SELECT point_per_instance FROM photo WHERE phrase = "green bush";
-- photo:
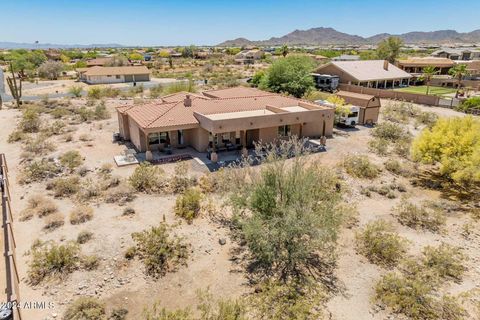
(379, 146)
(360, 167)
(76, 91)
(81, 214)
(51, 260)
(39, 170)
(445, 260)
(147, 178)
(85, 308)
(90, 262)
(415, 216)
(30, 120)
(101, 112)
(84, 237)
(39, 145)
(63, 187)
(380, 244)
(94, 93)
(390, 131)
(71, 159)
(159, 251)
(397, 167)
(187, 205)
(469, 104)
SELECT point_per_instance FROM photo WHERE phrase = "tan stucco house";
(415, 65)
(221, 120)
(105, 75)
(367, 73)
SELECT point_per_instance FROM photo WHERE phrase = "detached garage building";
(105, 75)
(369, 105)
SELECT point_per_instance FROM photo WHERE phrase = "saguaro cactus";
(15, 89)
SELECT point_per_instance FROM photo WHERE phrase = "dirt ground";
(122, 283)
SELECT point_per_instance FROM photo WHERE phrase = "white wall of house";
(105, 79)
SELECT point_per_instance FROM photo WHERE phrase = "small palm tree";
(458, 72)
(428, 73)
(284, 50)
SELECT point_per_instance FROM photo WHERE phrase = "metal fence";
(10, 280)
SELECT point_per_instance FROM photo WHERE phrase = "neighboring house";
(473, 68)
(415, 65)
(99, 75)
(346, 57)
(98, 62)
(219, 120)
(458, 54)
(367, 73)
(249, 56)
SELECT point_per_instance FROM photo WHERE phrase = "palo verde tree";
(389, 49)
(287, 213)
(290, 75)
(15, 86)
(454, 144)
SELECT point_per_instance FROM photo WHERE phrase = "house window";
(109, 76)
(225, 137)
(117, 77)
(157, 138)
(284, 131)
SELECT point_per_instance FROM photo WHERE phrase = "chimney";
(188, 101)
(385, 65)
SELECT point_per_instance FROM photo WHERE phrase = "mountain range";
(327, 36)
(22, 45)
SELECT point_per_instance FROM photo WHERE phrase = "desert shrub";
(279, 300)
(39, 170)
(118, 314)
(101, 112)
(58, 113)
(402, 147)
(380, 244)
(159, 250)
(76, 91)
(90, 189)
(180, 180)
(360, 166)
(397, 167)
(81, 214)
(147, 178)
(390, 131)
(406, 295)
(128, 211)
(454, 143)
(469, 104)
(85, 308)
(415, 216)
(208, 183)
(26, 214)
(39, 145)
(121, 194)
(90, 262)
(400, 112)
(187, 205)
(445, 260)
(49, 260)
(158, 313)
(106, 168)
(41, 205)
(379, 146)
(94, 93)
(16, 136)
(56, 128)
(63, 187)
(130, 253)
(426, 118)
(84, 237)
(85, 114)
(156, 91)
(31, 121)
(54, 221)
(71, 159)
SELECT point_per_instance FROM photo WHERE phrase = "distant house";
(346, 57)
(100, 75)
(367, 73)
(249, 56)
(98, 62)
(457, 54)
(415, 65)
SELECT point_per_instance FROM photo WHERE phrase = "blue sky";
(149, 22)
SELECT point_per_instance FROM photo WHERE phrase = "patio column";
(385, 85)
(376, 84)
(214, 155)
(408, 81)
(148, 153)
(243, 142)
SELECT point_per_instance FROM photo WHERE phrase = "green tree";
(428, 73)
(458, 72)
(389, 49)
(135, 56)
(284, 50)
(50, 70)
(290, 75)
(455, 144)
